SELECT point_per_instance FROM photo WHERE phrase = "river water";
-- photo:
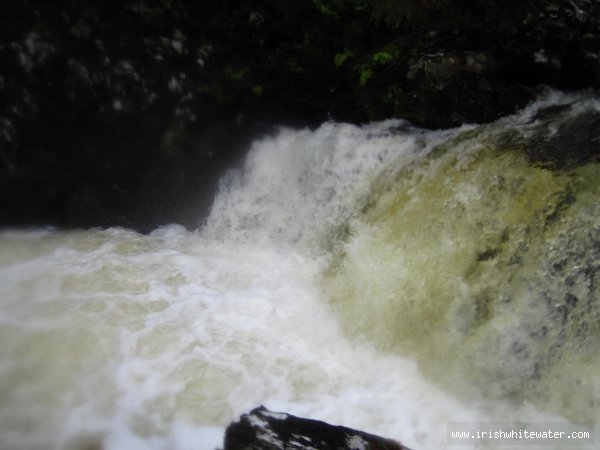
(380, 277)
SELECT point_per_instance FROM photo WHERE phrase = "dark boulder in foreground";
(262, 429)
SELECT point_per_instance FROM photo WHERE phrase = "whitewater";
(291, 295)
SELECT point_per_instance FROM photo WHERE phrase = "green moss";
(364, 74)
(327, 10)
(342, 57)
(382, 58)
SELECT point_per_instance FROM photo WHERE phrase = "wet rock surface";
(128, 114)
(561, 137)
(262, 429)
(576, 142)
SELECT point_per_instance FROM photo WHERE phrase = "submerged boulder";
(262, 429)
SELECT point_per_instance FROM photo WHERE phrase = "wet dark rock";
(559, 137)
(575, 142)
(127, 114)
(452, 88)
(484, 61)
(262, 429)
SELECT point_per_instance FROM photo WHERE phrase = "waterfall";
(382, 277)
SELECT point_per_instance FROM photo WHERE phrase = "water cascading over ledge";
(482, 260)
(462, 266)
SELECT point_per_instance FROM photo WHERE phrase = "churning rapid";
(382, 277)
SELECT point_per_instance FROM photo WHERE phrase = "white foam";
(125, 341)
(156, 342)
(298, 186)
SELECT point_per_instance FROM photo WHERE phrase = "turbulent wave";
(485, 265)
(381, 277)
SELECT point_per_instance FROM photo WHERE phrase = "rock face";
(262, 429)
(128, 114)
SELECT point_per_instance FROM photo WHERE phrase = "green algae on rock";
(482, 261)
